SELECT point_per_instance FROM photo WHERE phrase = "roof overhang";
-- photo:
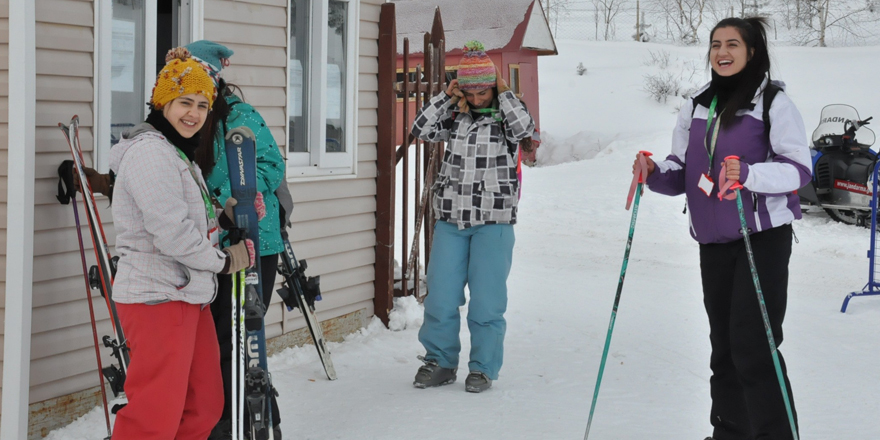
(538, 36)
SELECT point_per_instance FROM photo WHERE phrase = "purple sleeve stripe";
(671, 182)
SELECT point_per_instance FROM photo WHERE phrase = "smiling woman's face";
(187, 113)
(728, 54)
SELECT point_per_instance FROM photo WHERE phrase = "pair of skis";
(99, 276)
(251, 381)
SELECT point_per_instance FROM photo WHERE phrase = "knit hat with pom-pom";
(475, 71)
(214, 55)
(182, 75)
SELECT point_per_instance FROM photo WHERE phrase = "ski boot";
(433, 375)
(477, 382)
(222, 431)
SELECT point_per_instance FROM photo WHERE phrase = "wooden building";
(98, 59)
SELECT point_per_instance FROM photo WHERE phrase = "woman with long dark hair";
(725, 118)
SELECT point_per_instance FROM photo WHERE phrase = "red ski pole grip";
(646, 153)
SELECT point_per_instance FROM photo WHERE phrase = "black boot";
(222, 431)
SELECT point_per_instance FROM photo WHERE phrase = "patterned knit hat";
(182, 75)
(475, 71)
(213, 55)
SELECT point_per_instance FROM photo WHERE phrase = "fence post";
(385, 165)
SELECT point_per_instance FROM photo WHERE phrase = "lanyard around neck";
(710, 146)
(192, 171)
(491, 111)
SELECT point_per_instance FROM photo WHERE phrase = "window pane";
(514, 80)
(127, 67)
(299, 78)
(336, 76)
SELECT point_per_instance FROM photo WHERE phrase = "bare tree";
(685, 16)
(555, 10)
(840, 19)
(606, 11)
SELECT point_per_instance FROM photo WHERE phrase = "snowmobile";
(843, 166)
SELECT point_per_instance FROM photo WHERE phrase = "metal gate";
(409, 90)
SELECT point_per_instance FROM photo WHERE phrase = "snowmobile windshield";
(833, 122)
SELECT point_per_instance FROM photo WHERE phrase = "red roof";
(493, 22)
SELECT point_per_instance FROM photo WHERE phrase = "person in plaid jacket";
(474, 202)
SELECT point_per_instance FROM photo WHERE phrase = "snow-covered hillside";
(570, 244)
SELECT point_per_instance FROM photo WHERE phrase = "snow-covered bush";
(659, 59)
(665, 83)
(661, 86)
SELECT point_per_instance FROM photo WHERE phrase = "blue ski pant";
(479, 257)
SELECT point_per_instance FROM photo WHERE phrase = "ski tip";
(240, 131)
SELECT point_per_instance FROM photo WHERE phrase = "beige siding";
(62, 354)
(4, 139)
(335, 221)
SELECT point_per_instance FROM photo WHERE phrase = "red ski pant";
(173, 385)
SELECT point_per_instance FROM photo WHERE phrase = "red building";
(514, 32)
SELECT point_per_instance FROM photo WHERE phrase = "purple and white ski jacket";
(771, 171)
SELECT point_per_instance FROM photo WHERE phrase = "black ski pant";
(747, 401)
(221, 309)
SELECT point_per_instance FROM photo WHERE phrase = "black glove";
(227, 216)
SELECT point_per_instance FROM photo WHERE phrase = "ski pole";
(234, 383)
(635, 189)
(736, 187)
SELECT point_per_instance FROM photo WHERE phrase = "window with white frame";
(322, 88)
(132, 37)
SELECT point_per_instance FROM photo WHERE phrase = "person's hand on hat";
(500, 83)
(453, 91)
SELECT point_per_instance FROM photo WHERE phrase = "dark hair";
(754, 35)
(210, 131)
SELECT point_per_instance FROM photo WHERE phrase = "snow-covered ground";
(570, 243)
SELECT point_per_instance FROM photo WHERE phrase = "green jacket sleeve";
(270, 164)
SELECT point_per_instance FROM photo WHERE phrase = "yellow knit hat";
(182, 76)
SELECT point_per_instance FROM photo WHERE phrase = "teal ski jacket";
(270, 170)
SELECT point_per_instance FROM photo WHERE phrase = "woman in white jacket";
(167, 242)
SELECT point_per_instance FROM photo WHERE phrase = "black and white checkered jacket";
(477, 184)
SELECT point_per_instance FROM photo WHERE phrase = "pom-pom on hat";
(214, 55)
(475, 71)
(182, 75)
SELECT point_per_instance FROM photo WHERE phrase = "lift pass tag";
(706, 184)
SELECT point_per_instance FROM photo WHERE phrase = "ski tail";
(299, 291)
